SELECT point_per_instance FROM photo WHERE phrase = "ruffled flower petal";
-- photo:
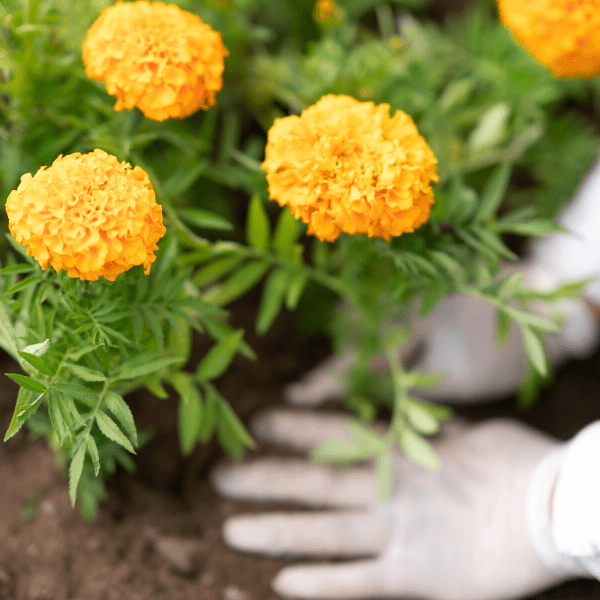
(164, 60)
(345, 165)
(87, 214)
(563, 35)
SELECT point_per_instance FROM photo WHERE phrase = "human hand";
(458, 533)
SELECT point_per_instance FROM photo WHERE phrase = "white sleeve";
(563, 507)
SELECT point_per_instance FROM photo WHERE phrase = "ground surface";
(157, 536)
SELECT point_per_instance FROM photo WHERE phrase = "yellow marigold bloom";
(563, 35)
(87, 214)
(345, 165)
(327, 13)
(164, 60)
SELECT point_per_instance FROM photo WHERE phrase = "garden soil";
(157, 536)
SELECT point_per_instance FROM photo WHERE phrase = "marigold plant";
(345, 165)
(87, 214)
(563, 35)
(164, 60)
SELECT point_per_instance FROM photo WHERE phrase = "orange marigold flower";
(88, 214)
(563, 35)
(164, 60)
(345, 165)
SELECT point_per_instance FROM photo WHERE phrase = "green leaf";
(493, 241)
(26, 405)
(56, 418)
(155, 326)
(271, 302)
(120, 409)
(232, 434)
(133, 372)
(258, 226)
(209, 415)
(21, 285)
(219, 330)
(16, 269)
(85, 373)
(38, 349)
(111, 430)
(449, 264)
(295, 290)
(75, 470)
(536, 228)
(509, 287)
(204, 219)
(189, 411)
(240, 282)
(38, 363)
(93, 450)
(8, 338)
(28, 383)
(534, 349)
(494, 192)
(286, 234)
(385, 475)
(219, 357)
(418, 449)
(503, 328)
(340, 451)
(215, 270)
(421, 418)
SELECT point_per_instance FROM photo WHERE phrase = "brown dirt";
(157, 535)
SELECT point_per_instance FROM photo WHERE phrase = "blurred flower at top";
(164, 60)
(328, 13)
(345, 165)
(87, 214)
(563, 35)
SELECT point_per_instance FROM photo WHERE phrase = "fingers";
(299, 430)
(300, 534)
(356, 579)
(297, 481)
(324, 382)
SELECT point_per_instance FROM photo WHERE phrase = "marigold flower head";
(87, 214)
(164, 60)
(345, 165)
(563, 35)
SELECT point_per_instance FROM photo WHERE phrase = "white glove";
(463, 533)
(458, 337)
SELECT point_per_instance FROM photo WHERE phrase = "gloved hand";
(466, 532)
(458, 337)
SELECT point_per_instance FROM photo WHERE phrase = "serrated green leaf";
(111, 430)
(38, 363)
(204, 219)
(494, 242)
(28, 383)
(75, 470)
(258, 228)
(154, 386)
(16, 269)
(85, 373)
(245, 278)
(534, 348)
(494, 192)
(56, 418)
(26, 405)
(271, 301)
(418, 449)
(219, 357)
(189, 410)
(219, 330)
(155, 326)
(93, 450)
(133, 372)
(120, 409)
